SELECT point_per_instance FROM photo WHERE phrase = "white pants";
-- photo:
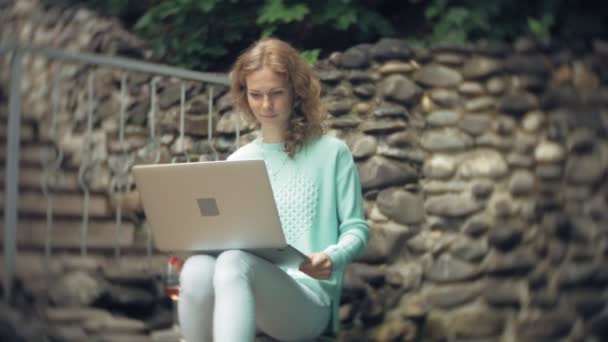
(229, 296)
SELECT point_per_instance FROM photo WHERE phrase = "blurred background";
(479, 129)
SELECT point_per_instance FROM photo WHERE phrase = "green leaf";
(344, 21)
(268, 31)
(435, 8)
(206, 5)
(275, 11)
(311, 56)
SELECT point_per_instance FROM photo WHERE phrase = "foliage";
(465, 20)
(198, 34)
(204, 34)
(311, 56)
(193, 33)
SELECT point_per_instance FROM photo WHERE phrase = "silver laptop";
(210, 207)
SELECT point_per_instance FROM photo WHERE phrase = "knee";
(197, 274)
(231, 266)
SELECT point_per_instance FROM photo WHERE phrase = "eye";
(277, 93)
(255, 96)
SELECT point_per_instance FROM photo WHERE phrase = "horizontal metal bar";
(121, 63)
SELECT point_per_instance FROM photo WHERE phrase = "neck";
(271, 136)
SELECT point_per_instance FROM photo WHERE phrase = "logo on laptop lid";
(208, 206)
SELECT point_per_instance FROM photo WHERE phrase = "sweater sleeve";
(353, 229)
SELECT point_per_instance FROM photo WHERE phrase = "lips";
(267, 116)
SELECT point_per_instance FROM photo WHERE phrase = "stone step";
(117, 337)
(31, 178)
(67, 234)
(64, 205)
(27, 132)
(31, 265)
(167, 335)
(28, 154)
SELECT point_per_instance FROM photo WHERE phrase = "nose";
(266, 102)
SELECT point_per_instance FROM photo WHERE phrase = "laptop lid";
(210, 206)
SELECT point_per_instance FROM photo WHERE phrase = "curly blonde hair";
(307, 117)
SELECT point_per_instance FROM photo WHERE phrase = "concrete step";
(31, 178)
(66, 234)
(27, 132)
(64, 205)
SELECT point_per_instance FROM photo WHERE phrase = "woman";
(318, 195)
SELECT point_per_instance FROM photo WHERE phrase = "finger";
(323, 275)
(321, 259)
(314, 260)
(306, 268)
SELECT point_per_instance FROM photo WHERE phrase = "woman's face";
(270, 98)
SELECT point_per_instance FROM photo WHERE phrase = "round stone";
(525, 143)
(481, 67)
(585, 169)
(391, 48)
(446, 140)
(477, 225)
(439, 167)
(493, 140)
(365, 91)
(364, 146)
(548, 171)
(449, 59)
(388, 110)
(480, 104)
(444, 97)
(582, 140)
(496, 85)
(378, 172)
(505, 125)
(451, 205)
(482, 188)
(475, 323)
(471, 89)
(363, 108)
(400, 89)
(468, 249)
(443, 118)
(355, 57)
(401, 206)
(475, 124)
(434, 75)
(521, 183)
(519, 160)
(483, 164)
(503, 206)
(382, 127)
(549, 152)
(330, 76)
(448, 270)
(394, 67)
(518, 103)
(338, 106)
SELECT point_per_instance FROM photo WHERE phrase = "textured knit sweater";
(318, 196)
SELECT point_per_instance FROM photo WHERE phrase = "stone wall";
(483, 168)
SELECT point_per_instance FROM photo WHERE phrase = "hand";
(318, 266)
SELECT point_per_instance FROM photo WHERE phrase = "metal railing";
(52, 159)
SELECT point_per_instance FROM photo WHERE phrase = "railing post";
(11, 180)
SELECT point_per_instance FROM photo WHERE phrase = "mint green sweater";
(318, 195)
